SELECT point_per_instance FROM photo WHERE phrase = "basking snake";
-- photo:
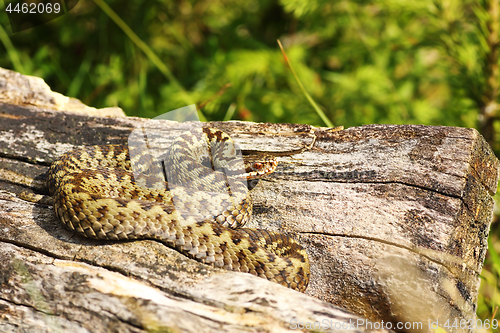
(96, 194)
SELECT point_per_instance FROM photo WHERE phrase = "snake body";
(97, 195)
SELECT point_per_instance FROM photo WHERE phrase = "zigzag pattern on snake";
(96, 194)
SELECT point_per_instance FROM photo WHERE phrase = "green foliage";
(381, 61)
(489, 292)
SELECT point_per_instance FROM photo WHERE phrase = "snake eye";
(257, 166)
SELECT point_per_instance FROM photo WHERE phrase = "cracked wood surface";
(52, 279)
(394, 218)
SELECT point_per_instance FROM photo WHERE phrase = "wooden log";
(53, 279)
(394, 218)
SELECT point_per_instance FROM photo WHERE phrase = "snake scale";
(96, 194)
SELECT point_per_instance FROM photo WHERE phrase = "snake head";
(258, 166)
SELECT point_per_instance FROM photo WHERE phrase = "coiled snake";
(96, 194)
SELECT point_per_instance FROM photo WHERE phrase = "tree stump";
(395, 220)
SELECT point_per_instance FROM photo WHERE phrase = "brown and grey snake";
(97, 195)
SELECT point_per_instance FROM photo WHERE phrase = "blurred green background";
(432, 62)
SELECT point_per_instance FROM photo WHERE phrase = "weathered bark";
(33, 91)
(394, 218)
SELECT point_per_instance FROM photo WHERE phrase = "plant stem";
(309, 98)
(148, 51)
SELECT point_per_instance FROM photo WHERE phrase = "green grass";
(489, 291)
